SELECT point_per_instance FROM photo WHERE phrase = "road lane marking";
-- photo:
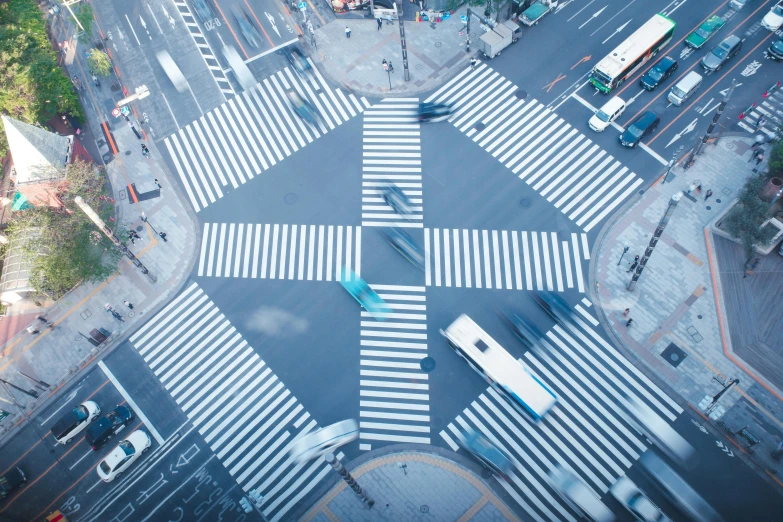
(131, 402)
(81, 459)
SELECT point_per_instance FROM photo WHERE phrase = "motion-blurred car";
(774, 19)
(433, 112)
(636, 502)
(403, 243)
(203, 10)
(525, 330)
(297, 60)
(641, 127)
(75, 421)
(775, 51)
(13, 479)
(247, 28)
(107, 426)
(489, 455)
(302, 107)
(397, 199)
(121, 457)
(172, 70)
(579, 496)
(659, 73)
(364, 295)
(553, 305)
(706, 31)
(721, 54)
(610, 111)
(324, 440)
(648, 423)
(737, 4)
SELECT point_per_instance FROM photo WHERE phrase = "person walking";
(145, 151)
(628, 323)
(626, 312)
(473, 63)
(347, 32)
(380, 23)
(634, 264)
(128, 304)
(158, 184)
(163, 237)
(707, 195)
(391, 67)
(759, 158)
(132, 239)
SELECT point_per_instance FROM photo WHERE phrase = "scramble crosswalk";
(556, 160)
(275, 251)
(508, 259)
(391, 150)
(246, 415)
(394, 391)
(766, 116)
(251, 132)
(586, 432)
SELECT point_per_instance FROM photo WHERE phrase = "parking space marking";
(81, 459)
(131, 402)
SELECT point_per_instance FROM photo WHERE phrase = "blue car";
(525, 330)
(554, 305)
(488, 454)
(365, 295)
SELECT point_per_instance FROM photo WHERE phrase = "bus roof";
(501, 367)
(635, 45)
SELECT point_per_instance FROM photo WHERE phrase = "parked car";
(641, 127)
(610, 111)
(433, 112)
(721, 54)
(705, 31)
(775, 51)
(487, 453)
(659, 73)
(75, 421)
(774, 19)
(124, 455)
(403, 243)
(13, 479)
(324, 440)
(636, 502)
(107, 426)
(396, 199)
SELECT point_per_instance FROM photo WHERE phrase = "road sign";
(115, 112)
(125, 110)
(302, 6)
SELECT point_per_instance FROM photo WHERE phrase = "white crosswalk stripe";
(240, 407)
(391, 153)
(558, 161)
(507, 259)
(252, 131)
(766, 115)
(275, 251)
(586, 432)
(394, 391)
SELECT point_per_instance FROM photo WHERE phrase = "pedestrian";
(132, 240)
(759, 158)
(698, 189)
(391, 67)
(347, 32)
(708, 195)
(756, 153)
(108, 307)
(128, 304)
(158, 184)
(380, 23)
(42, 319)
(163, 237)
(473, 63)
(628, 323)
(634, 264)
(626, 312)
(135, 234)
(32, 330)
(145, 151)
(385, 65)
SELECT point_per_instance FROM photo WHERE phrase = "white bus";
(520, 387)
(633, 53)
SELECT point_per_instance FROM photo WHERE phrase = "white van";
(607, 114)
(684, 88)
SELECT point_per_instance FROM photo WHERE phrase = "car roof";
(712, 22)
(613, 103)
(666, 62)
(730, 40)
(646, 118)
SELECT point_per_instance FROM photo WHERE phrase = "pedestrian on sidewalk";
(380, 23)
(759, 158)
(626, 312)
(347, 32)
(634, 264)
(132, 240)
(128, 304)
(163, 237)
(158, 184)
(756, 153)
(145, 151)
(391, 67)
(628, 323)
(109, 308)
(708, 195)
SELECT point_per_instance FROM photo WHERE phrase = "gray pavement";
(428, 487)
(674, 302)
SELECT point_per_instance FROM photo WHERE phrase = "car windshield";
(777, 10)
(656, 74)
(601, 115)
(720, 52)
(635, 130)
(81, 412)
(105, 467)
(704, 33)
(127, 447)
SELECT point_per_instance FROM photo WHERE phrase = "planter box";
(775, 225)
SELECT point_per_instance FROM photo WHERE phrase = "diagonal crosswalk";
(559, 162)
(586, 432)
(394, 391)
(246, 415)
(253, 131)
(279, 251)
(391, 150)
(504, 259)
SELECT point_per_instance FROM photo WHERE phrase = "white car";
(124, 455)
(324, 440)
(774, 19)
(607, 114)
(636, 502)
(75, 421)
(580, 497)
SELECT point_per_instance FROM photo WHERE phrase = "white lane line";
(89, 452)
(130, 402)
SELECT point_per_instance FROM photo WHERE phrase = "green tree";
(99, 62)
(744, 221)
(775, 162)
(85, 17)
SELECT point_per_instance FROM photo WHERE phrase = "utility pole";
(406, 73)
(108, 232)
(625, 250)
(697, 149)
(388, 72)
(339, 468)
(671, 164)
(68, 4)
(718, 395)
(654, 239)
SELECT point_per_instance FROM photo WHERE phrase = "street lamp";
(388, 71)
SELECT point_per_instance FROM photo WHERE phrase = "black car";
(525, 330)
(775, 51)
(658, 74)
(644, 125)
(405, 245)
(107, 426)
(553, 305)
(433, 112)
(12, 480)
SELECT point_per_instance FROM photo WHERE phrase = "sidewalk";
(436, 51)
(55, 355)
(429, 487)
(677, 332)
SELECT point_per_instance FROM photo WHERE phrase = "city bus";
(509, 377)
(632, 54)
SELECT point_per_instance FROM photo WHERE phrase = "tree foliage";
(33, 88)
(85, 17)
(744, 221)
(64, 245)
(775, 162)
(99, 62)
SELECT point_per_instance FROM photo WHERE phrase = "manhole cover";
(699, 316)
(438, 44)
(709, 207)
(717, 201)
(521, 94)
(524, 202)
(127, 153)
(424, 508)
(427, 364)
(674, 355)
(479, 127)
(139, 228)
(290, 198)
(418, 66)
(131, 314)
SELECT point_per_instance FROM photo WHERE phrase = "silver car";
(324, 440)
(636, 502)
